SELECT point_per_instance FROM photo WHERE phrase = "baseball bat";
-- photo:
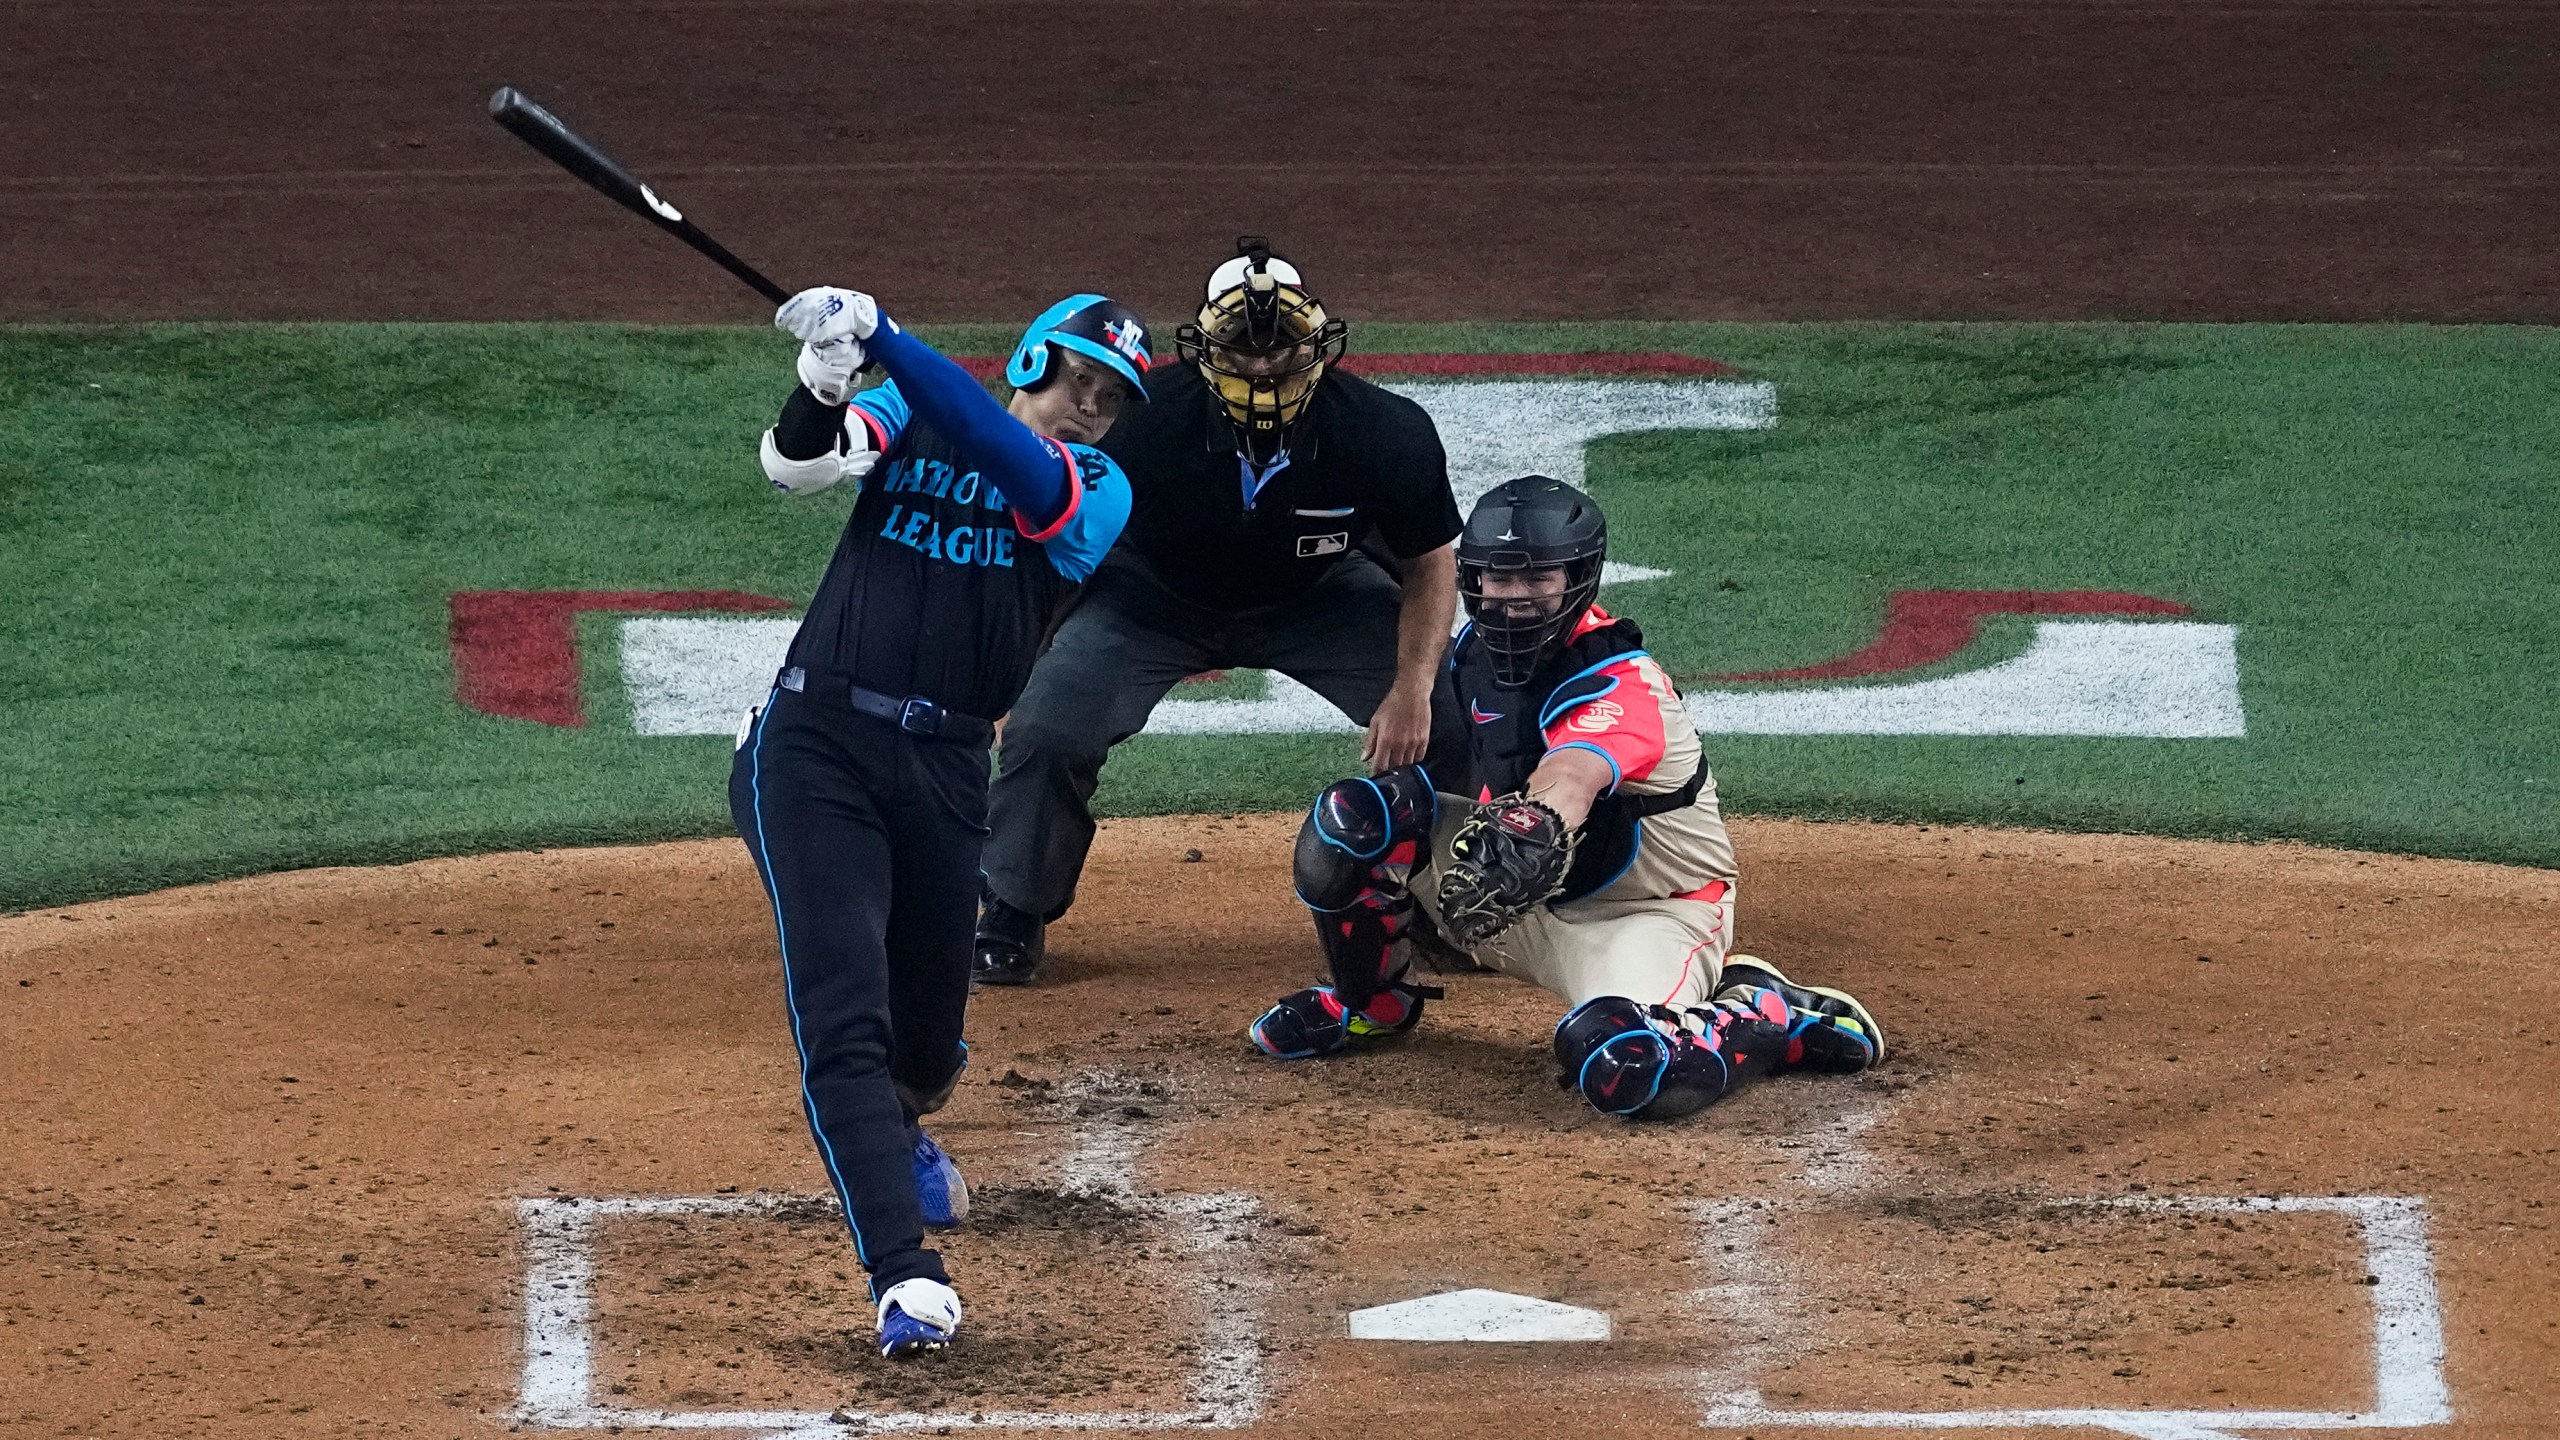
(576, 154)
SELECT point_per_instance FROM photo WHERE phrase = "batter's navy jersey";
(938, 588)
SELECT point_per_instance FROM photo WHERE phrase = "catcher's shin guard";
(1655, 1063)
(1362, 832)
(1829, 1032)
(1357, 848)
(1315, 1021)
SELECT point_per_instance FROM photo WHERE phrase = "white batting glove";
(831, 325)
(828, 369)
(825, 313)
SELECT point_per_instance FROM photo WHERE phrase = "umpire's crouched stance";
(860, 783)
(1258, 478)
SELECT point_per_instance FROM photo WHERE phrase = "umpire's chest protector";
(933, 590)
(1507, 737)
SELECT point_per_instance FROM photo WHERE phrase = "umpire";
(1267, 485)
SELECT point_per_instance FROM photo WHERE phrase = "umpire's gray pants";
(1128, 641)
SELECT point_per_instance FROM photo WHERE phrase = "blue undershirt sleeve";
(1028, 469)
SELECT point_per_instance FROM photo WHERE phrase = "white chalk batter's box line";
(1229, 1386)
(2408, 1343)
(1226, 1388)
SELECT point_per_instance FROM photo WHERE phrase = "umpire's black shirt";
(1360, 459)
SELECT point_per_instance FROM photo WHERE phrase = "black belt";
(914, 713)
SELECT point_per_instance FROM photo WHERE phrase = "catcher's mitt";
(1505, 860)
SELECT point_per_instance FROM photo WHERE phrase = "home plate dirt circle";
(2179, 1139)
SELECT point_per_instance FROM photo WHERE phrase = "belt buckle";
(919, 716)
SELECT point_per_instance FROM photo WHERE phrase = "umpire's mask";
(1528, 568)
(1262, 342)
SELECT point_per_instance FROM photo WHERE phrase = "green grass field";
(225, 553)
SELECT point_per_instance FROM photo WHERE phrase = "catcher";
(1594, 864)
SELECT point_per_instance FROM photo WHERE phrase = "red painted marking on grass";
(515, 652)
(1923, 627)
(1605, 363)
(988, 367)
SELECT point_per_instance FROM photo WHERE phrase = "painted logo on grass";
(2095, 673)
(2100, 662)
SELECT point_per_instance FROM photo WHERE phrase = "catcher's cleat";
(1654, 1063)
(1831, 1031)
(918, 1317)
(1011, 945)
(1314, 1022)
(941, 1192)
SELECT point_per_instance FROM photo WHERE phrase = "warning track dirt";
(339, 1150)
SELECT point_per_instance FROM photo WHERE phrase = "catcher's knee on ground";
(1656, 1063)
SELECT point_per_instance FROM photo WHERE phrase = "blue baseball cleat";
(918, 1317)
(939, 1188)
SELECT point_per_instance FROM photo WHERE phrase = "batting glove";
(825, 313)
(828, 369)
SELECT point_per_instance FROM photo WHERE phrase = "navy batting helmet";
(1090, 325)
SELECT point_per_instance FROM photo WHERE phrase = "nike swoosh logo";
(1478, 714)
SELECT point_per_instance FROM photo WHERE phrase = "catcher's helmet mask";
(1519, 529)
(1095, 326)
(1262, 342)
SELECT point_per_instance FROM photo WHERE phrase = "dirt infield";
(286, 1155)
(1522, 159)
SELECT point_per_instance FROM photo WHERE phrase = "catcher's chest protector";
(1507, 735)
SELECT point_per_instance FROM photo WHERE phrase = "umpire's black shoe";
(1010, 945)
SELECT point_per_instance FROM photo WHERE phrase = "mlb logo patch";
(1310, 546)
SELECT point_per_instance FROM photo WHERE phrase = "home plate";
(1493, 1315)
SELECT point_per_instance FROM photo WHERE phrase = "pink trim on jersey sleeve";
(871, 422)
(1075, 498)
(1624, 725)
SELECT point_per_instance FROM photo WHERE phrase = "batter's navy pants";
(868, 840)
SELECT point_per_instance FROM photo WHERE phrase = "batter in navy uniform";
(1269, 487)
(860, 784)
